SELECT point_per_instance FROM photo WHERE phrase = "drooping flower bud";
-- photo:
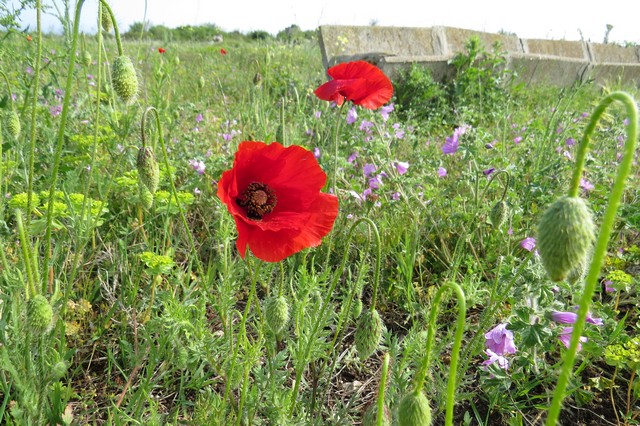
(276, 313)
(565, 235)
(86, 58)
(106, 23)
(499, 213)
(148, 169)
(124, 78)
(370, 417)
(356, 309)
(145, 196)
(368, 333)
(39, 313)
(414, 410)
(201, 82)
(12, 124)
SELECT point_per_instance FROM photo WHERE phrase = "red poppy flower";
(223, 51)
(29, 38)
(274, 196)
(358, 81)
(161, 50)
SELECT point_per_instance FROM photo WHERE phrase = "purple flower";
(199, 118)
(385, 110)
(500, 340)
(495, 358)
(366, 126)
(488, 171)
(352, 116)
(316, 152)
(528, 243)
(375, 182)
(369, 169)
(586, 185)
(570, 142)
(196, 191)
(450, 145)
(395, 196)
(352, 157)
(442, 172)
(28, 70)
(198, 166)
(608, 286)
(517, 140)
(401, 167)
(564, 317)
(565, 337)
(55, 110)
(593, 320)
(317, 114)
(398, 131)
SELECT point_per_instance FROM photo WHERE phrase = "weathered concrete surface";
(555, 62)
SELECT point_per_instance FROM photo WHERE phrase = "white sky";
(551, 19)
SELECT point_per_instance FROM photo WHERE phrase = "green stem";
(106, 6)
(312, 337)
(455, 350)
(6, 82)
(30, 288)
(60, 136)
(381, 389)
(506, 185)
(603, 238)
(34, 104)
(174, 191)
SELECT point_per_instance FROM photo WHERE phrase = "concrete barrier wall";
(536, 61)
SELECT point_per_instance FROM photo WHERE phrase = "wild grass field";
(415, 279)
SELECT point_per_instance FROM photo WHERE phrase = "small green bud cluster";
(368, 333)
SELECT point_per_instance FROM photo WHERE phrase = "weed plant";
(125, 302)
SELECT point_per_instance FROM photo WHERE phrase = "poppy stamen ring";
(258, 199)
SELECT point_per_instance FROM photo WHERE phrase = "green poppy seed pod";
(578, 273)
(12, 124)
(106, 23)
(148, 169)
(370, 417)
(414, 410)
(565, 234)
(176, 60)
(499, 213)
(86, 58)
(201, 82)
(145, 196)
(368, 333)
(124, 79)
(276, 311)
(39, 313)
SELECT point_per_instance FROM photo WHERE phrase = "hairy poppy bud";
(12, 124)
(368, 333)
(124, 78)
(565, 234)
(59, 369)
(148, 169)
(145, 196)
(414, 410)
(276, 313)
(257, 79)
(39, 313)
(106, 23)
(86, 58)
(499, 214)
(370, 417)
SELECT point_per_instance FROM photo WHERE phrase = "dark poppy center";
(257, 200)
